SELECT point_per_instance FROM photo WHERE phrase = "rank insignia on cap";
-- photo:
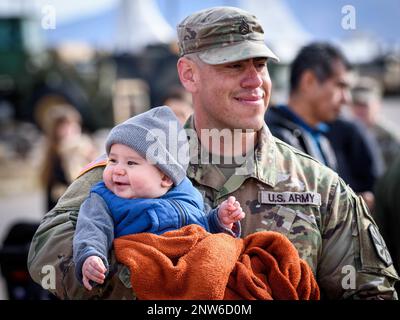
(190, 34)
(244, 27)
(380, 245)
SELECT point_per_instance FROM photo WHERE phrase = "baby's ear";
(166, 181)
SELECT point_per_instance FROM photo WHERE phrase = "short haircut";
(317, 57)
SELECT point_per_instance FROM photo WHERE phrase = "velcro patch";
(309, 198)
(380, 245)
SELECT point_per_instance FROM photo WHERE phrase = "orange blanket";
(190, 263)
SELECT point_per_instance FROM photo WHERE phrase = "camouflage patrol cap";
(223, 34)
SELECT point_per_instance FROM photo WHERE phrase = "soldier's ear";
(187, 74)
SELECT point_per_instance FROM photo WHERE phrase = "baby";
(144, 189)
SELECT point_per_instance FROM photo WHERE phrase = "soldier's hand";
(93, 269)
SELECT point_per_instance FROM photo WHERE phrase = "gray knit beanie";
(158, 137)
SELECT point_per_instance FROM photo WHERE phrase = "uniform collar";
(261, 167)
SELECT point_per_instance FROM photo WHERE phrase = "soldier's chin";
(257, 126)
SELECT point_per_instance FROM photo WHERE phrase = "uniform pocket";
(300, 227)
(281, 219)
(288, 220)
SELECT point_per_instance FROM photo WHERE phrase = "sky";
(322, 19)
(378, 17)
(318, 17)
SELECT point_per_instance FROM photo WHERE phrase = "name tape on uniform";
(311, 198)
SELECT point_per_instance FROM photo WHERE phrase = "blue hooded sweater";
(180, 206)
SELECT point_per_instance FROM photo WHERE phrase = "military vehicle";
(33, 79)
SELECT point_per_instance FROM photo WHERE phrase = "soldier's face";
(330, 95)
(233, 95)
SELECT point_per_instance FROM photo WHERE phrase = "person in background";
(358, 155)
(319, 86)
(67, 151)
(366, 107)
(363, 147)
(180, 102)
(387, 211)
(320, 82)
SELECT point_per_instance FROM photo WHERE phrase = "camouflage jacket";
(280, 189)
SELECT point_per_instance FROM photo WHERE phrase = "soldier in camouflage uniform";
(223, 66)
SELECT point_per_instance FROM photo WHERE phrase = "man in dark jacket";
(319, 87)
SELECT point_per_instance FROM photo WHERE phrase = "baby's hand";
(93, 269)
(230, 212)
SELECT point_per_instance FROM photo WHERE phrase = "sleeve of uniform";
(354, 262)
(50, 260)
(94, 233)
